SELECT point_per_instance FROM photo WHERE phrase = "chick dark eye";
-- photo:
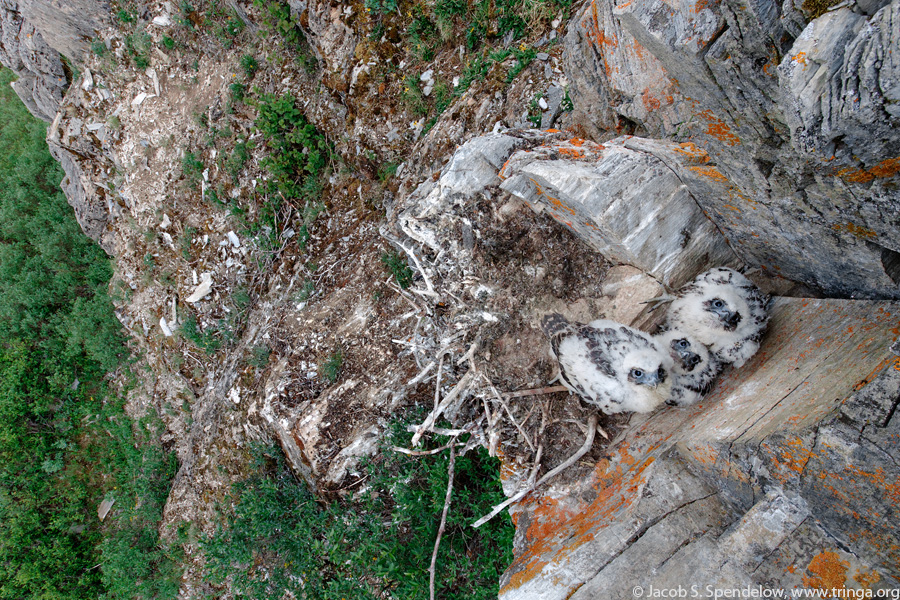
(683, 344)
(718, 303)
(637, 373)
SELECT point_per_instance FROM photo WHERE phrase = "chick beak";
(689, 360)
(731, 320)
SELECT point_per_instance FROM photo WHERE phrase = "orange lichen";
(556, 529)
(799, 58)
(866, 579)
(895, 362)
(573, 153)
(693, 153)
(718, 129)
(576, 142)
(650, 102)
(826, 571)
(886, 168)
(710, 172)
(863, 233)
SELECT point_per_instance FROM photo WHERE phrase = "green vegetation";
(259, 356)
(236, 90)
(534, 111)
(305, 292)
(396, 264)
(277, 17)
(192, 169)
(331, 369)
(65, 442)
(297, 160)
(167, 43)
(238, 158)
(249, 65)
(209, 340)
(279, 539)
(382, 6)
(138, 45)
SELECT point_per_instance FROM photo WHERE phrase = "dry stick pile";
(476, 388)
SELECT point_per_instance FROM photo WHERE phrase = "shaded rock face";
(36, 34)
(797, 119)
(67, 26)
(42, 79)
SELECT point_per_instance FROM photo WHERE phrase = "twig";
(511, 417)
(470, 352)
(437, 383)
(437, 541)
(461, 386)
(536, 392)
(588, 442)
(421, 376)
(409, 452)
(440, 430)
(430, 291)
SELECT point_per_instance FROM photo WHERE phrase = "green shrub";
(396, 264)
(259, 356)
(382, 6)
(296, 161)
(192, 169)
(331, 369)
(279, 539)
(249, 65)
(237, 90)
(208, 340)
(138, 46)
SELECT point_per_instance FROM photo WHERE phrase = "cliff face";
(686, 135)
(796, 122)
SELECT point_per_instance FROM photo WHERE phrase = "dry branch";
(588, 442)
(461, 386)
(536, 392)
(437, 541)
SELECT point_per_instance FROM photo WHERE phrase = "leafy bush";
(207, 340)
(64, 438)
(331, 369)
(279, 539)
(297, 159)
(192, 168)
(396, 264)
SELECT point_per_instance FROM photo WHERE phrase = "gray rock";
(474, 167)
(626, 204)
(67, 26)
(803, 155)
(554, 98)
(33, 33)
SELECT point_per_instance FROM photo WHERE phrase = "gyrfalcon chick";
(613, 366)
(695, 367)
(725, 311)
